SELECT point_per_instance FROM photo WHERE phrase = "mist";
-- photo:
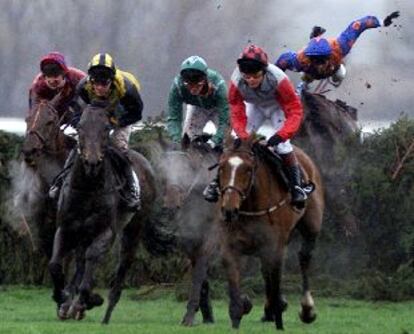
(150, 38)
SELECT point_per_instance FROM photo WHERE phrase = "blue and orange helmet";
(318, 47)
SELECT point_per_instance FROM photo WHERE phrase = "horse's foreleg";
(60, 248)
(72, 287)
(268, 308)
(238, 305)
(129, 243)
(205, 303)
(307, 315)
(272, 266)
(94, 253)
(199, 275)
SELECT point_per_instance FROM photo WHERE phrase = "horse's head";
(93, 131)
(197, 145)
(237, 168)
(43, 130)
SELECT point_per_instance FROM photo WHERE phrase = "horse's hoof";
(208, 320)
(307, 315)
(94, 300)
(63, 312)
(188, 321)
(77, 311)
(267, 318)
(279, 327)
(235, 323)
(247, 305)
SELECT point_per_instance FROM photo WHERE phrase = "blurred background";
(150, 38)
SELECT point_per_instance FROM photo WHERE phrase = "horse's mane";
(273, 160)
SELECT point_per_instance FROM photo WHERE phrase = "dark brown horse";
(258, 220)
(185, 174)
(44, 150)
(91, 214)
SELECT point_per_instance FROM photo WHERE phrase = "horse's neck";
(60, 147)
(49, 167)
(266, 188)
(80, 180)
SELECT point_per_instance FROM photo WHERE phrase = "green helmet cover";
(194, 63)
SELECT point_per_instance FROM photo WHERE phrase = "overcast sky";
(150, 38)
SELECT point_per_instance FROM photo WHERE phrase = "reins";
(244, 194)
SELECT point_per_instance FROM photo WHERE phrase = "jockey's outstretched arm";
(289, 61)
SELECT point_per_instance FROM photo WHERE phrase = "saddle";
(274, 160)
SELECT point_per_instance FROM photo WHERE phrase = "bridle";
(242, 193)
(32, 131)
(245, 193)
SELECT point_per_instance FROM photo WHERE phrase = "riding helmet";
(318, 47)
(194, 69)
(253, 59)
(102, 67)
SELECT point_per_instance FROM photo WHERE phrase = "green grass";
(30, 310)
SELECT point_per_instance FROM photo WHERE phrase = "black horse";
(91, 213)
(186, 174)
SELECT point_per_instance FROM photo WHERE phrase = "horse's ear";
(163, 143)
(228, 139)
(185, 142)
(251, 139)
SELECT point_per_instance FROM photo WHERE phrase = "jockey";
(323, 58)
(55, 77)
(204, 92)
(260, 91)
(120, 89)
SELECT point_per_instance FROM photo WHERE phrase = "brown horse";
(259, 221)
(44, 150)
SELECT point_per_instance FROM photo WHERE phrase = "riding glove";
(274, 140)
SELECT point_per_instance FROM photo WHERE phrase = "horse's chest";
(249, 238)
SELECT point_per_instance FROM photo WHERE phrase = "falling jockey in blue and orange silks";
(323, 58)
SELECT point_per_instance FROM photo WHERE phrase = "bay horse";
(44, 150)
(258, 220)
(91, 213)
(185, 174)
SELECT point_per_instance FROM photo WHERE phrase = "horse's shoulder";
(139, 162)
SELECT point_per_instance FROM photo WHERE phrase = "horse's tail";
(159, 237)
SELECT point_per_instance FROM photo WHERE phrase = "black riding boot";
(132, 194)
(298, 194)
(292, 167)
(211, 192)
(54, 189)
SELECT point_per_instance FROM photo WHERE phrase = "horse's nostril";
(228, 216)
